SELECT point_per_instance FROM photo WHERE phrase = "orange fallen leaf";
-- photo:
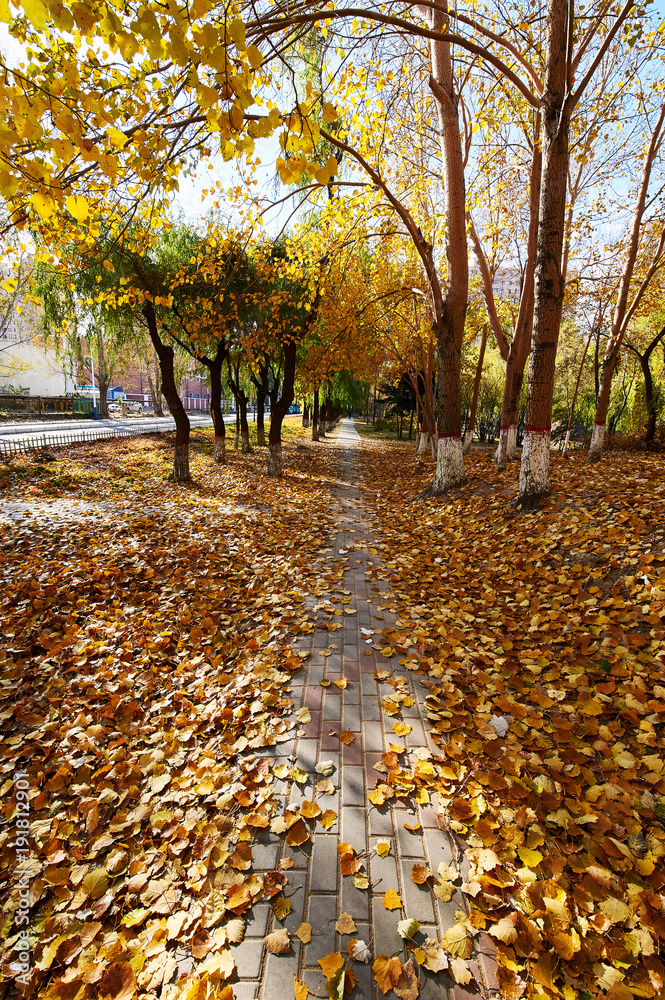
(347, 738)
(391, 900)
(387, 972)
(331, 964)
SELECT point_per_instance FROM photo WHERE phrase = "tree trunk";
(306, 414)
(549, 282)
(411, 425)
(476, 389)
(279, 411)
(214, 367)
(518, 350)
(155, 393)
(245, 446)
(182, 427)
(648, 394)
(260, 418)
(315, 416)
(103, 377)
(564, 453)
(623, 310)
(450, 309)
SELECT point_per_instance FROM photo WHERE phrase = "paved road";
(29, 432)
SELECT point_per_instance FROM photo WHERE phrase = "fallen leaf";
(420, 874)
(383, 848)
(391, 900)
(387, 972)
(407, 928)
(407, 987)
(278, 942)
(331, 964)
(359, 951)
(460, 971)
(347, 738)
(300, 990)
(304, 932)
(345, 924)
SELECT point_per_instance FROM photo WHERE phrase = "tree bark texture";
(518, 350)
(182, 426)
(279, 410)
(214, 366)
(549, 282)
(623, 310)
(450, 308)
(476, 390)
(315, 416)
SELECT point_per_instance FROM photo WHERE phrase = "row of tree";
(492, 126)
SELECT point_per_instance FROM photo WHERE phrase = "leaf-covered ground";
(540, 644)
(145, 671)
(145, 687)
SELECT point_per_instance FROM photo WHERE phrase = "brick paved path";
(317, 891)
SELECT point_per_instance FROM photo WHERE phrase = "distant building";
(506, 283)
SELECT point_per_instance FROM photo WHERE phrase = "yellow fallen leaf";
(331, 964)
(391, 900)
(401, 729)
(383, 848)
(304, 933)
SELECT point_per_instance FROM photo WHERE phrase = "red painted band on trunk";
(449, 436)
(504, 427)
(599, 423)
(537, 430)
(181, 442)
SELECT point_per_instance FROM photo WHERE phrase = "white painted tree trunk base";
(275, 460)
(449, 465)
(535, 468)
(423, 441)
(512, 442)
(501, 453)
(220, 449)
(596, 446)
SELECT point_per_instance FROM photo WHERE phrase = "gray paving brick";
(279, 972)
(307, 754)
(435, 986)
(351, 717)
(446, 911)
(352, 695)
(372, 736)
(321, 914)
(257, 921)
(246, 991)
(353, 786)
(354, 901)
(438, 846)
(248, 956)
(380, 822)
(384, 926)
(296, 891)
(372, 712)
(354, 827)
(369, 686)
(325, 864)
(299, 855)
(332, 708)
(409, 842)
(417, 899)
(383, 872)
(264, 857)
